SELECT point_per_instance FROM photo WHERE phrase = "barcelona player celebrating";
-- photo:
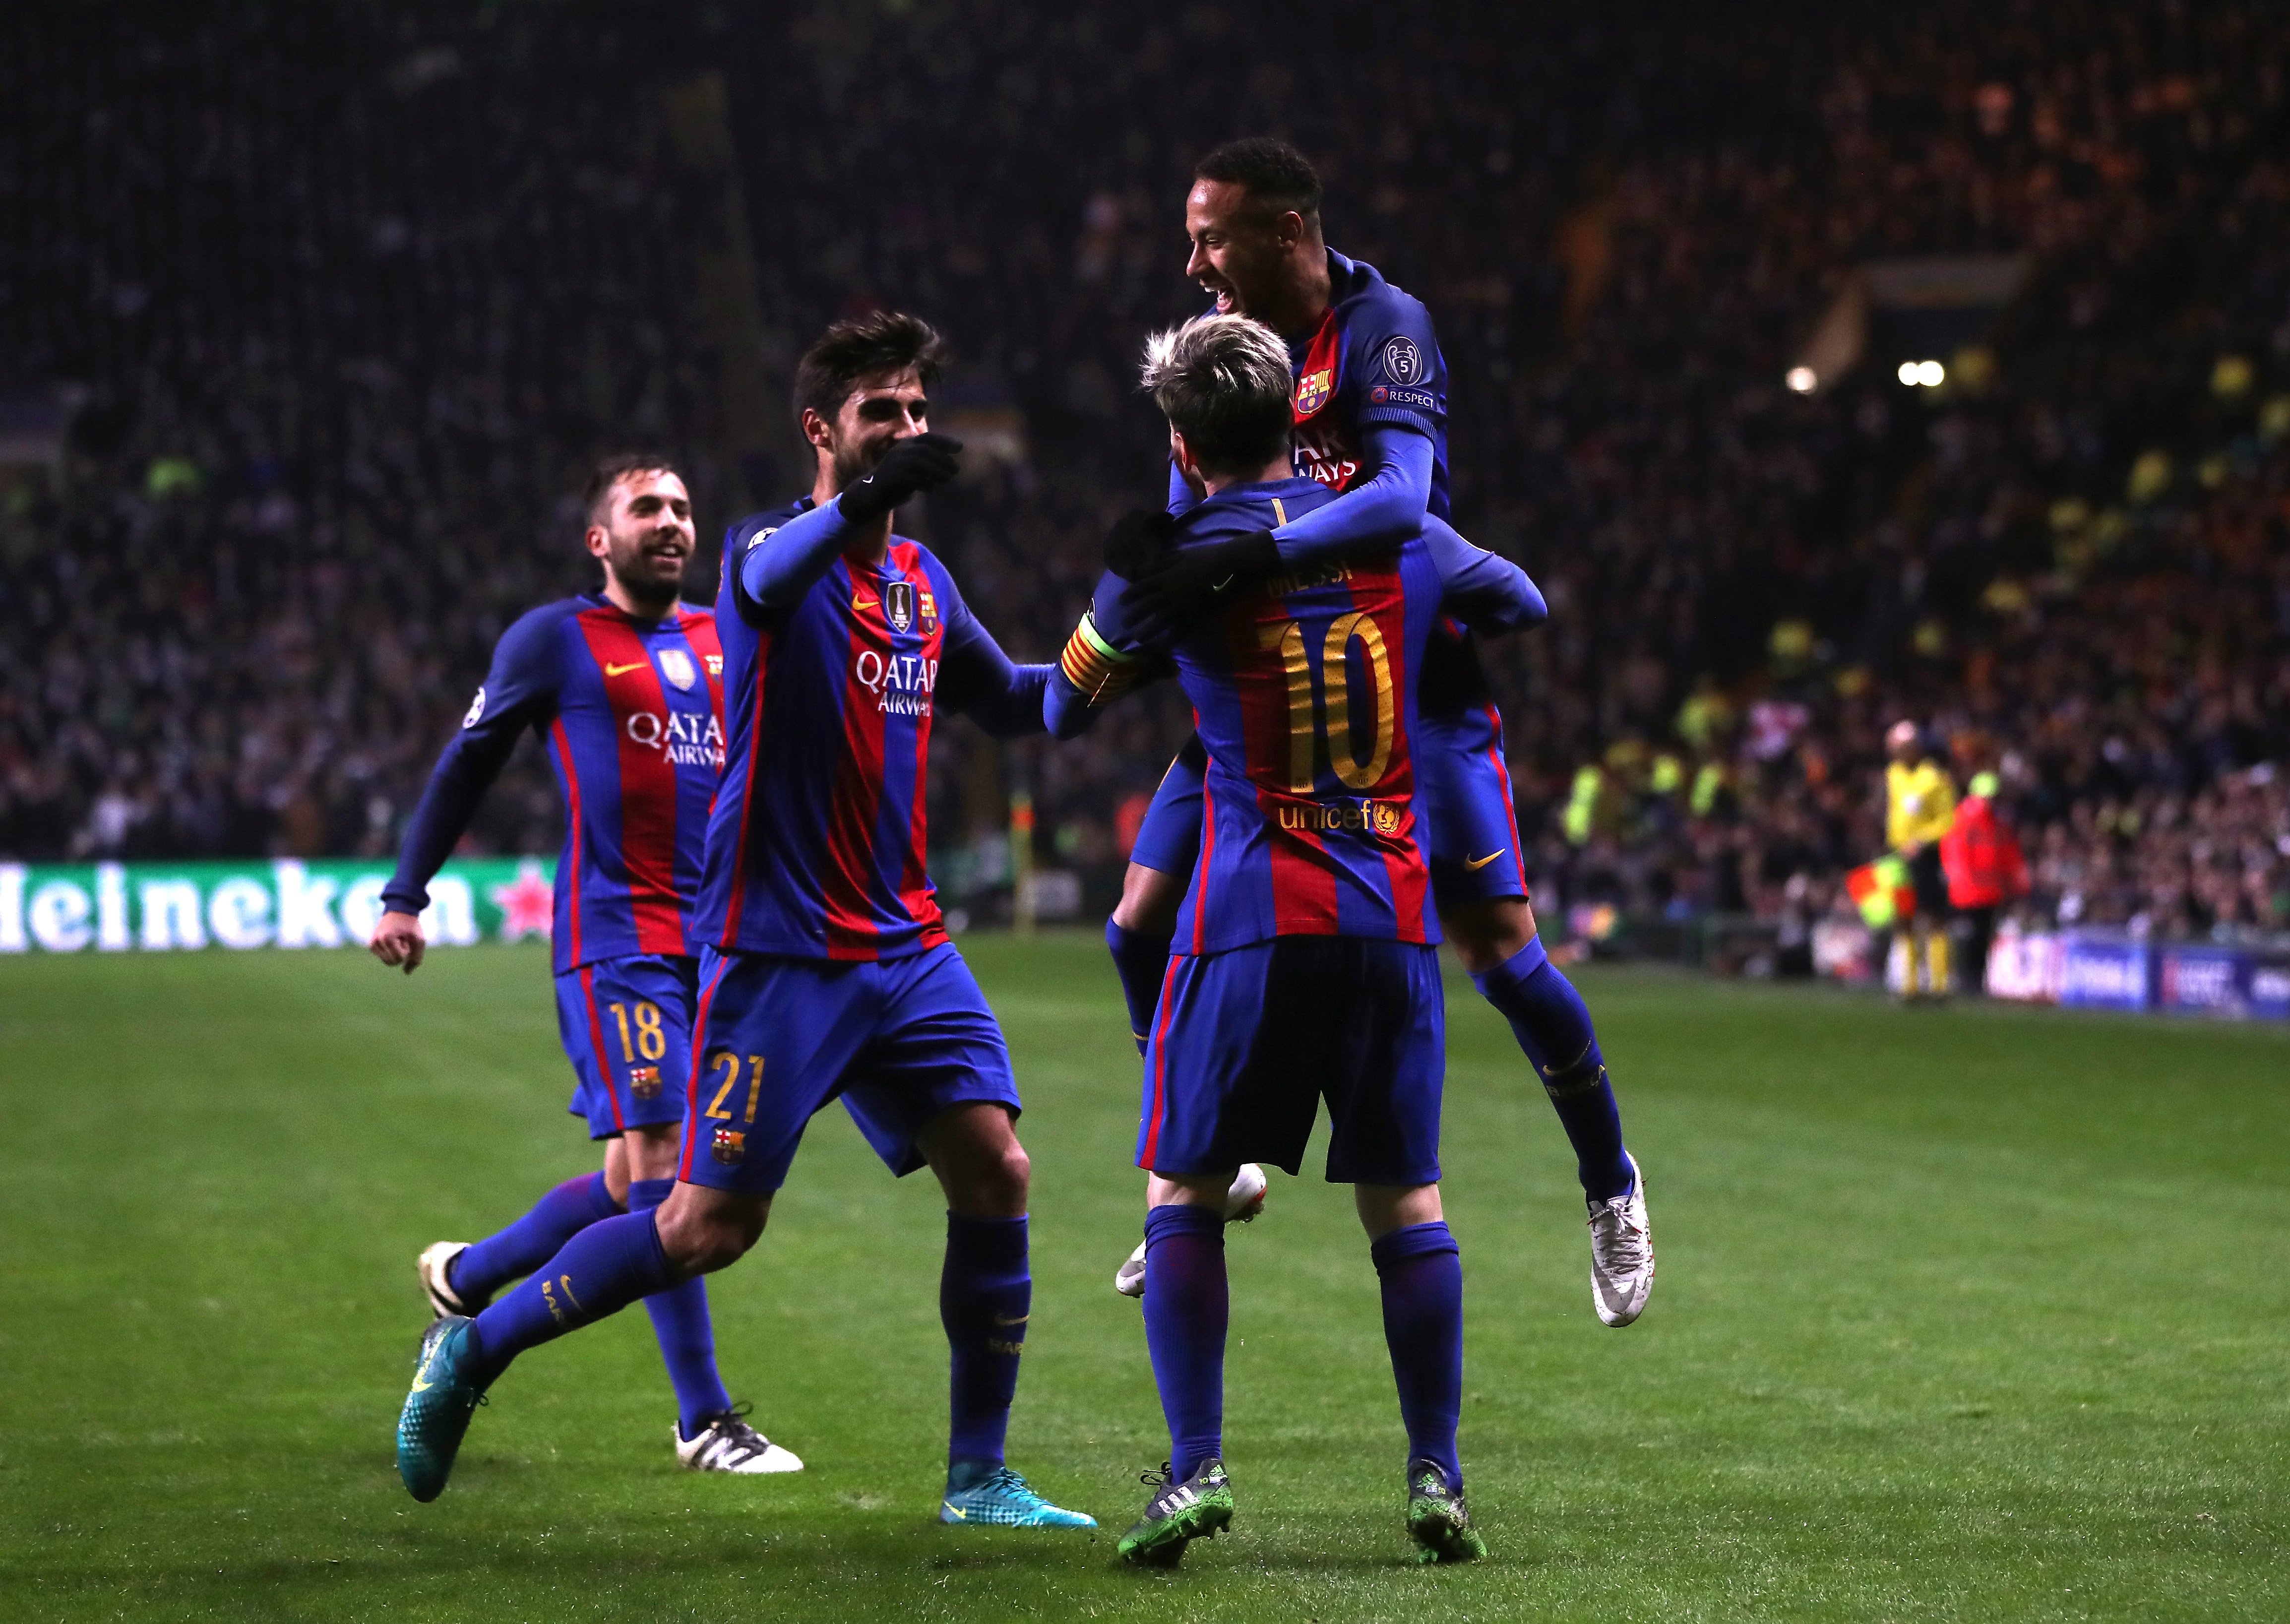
(1307, 963)
(626, 688)
(826, 970)
(1370, 413)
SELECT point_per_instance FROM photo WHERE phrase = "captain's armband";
(1099, 670)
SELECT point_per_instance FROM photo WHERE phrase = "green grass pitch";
(1969, 1313)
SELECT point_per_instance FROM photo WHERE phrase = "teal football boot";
(444, 1395)
(999, 1497)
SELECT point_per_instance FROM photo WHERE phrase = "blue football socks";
(1143, 963)
(1422, 1277)
(1552, 1024)
(1187, 1307)
(533, 1239)
(599, 1272)
(687, 1337)
(985, 1296)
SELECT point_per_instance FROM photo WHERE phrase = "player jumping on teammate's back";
(626, 688)
(1369, 406)
(827, 971)
(1306, 959)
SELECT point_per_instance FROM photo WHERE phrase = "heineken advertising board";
(159, 907)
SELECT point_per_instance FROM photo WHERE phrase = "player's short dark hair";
(1276, 176)
(860, 348)
(1222, 381)
(596, 489)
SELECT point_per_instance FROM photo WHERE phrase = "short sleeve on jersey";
(1393, 362)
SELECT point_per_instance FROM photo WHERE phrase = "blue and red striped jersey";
(1373, 359)
(1304, 695)
(818, 845)
(632, 714)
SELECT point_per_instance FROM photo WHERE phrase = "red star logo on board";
(528, 905)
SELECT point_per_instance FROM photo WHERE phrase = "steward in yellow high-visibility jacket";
(1919, 809)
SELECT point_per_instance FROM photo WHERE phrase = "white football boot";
(1621, 1253)
(1242, 1203)
(727, 1443)
(435, 1266)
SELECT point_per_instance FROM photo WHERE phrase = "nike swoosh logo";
(1477, 863)
(959, 1515)
(1004, 1319)
(421, 1386)
(634, 665)
(862, 602)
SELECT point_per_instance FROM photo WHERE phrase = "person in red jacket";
(1985, 868)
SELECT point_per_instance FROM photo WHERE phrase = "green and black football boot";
(1438, 1520)
(1178, 1513)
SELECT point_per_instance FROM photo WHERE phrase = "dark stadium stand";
(336, 301)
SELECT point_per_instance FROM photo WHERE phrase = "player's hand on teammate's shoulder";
(399, 941)
(1183, 584)
(1139, 541)
(919, 462)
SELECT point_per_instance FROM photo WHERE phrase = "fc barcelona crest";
(730, 1147)
(898, 604)
(1313, 389)
(644, 1082)
(676, 665)
(928, 605)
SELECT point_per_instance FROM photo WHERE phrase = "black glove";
(920, 462)
(1134, 545)
(1183, 584)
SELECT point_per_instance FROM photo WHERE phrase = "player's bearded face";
(649, 537)
(879, 415)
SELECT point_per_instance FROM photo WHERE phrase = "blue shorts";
(1463, 795)
(897, 1040)
(1169, 838)
(1247, 1042)
(627, 1026)
(1464, 790)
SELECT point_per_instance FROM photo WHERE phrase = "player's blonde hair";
(1222, 381)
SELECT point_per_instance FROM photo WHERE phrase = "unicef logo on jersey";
(1402, 360)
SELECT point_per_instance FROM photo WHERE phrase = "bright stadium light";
(1930, 374)
(1802, 378)
(1908, 373)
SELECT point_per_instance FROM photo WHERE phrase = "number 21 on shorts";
(727, 1064)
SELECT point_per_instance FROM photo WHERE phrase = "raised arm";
(519, 691)
(1486, 593)
(778, 566)
(978, 679)
(1098, 667)
(1380, 512)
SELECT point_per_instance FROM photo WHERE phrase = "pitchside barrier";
(2102, 970)
(2107, 970)
(161, 908)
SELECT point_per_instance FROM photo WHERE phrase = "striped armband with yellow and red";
(1094, 666)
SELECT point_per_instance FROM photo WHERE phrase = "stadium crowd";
(346, 297)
